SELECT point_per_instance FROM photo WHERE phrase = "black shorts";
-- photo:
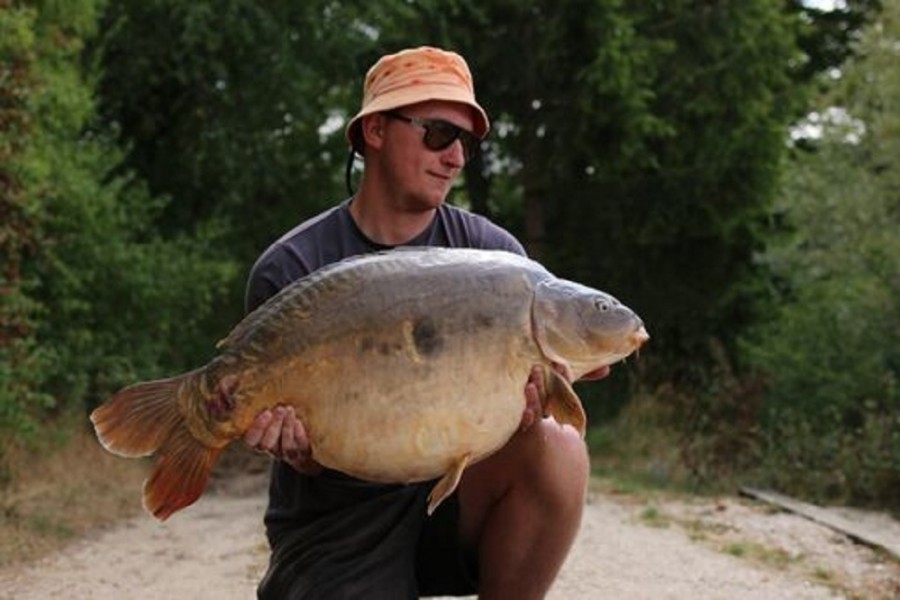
(383, 548)
(445, 566)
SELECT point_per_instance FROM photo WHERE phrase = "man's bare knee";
(521, 509)
(547, 459)
(558, 461)
(546, 465)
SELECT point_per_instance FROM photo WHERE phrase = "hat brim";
(409, 96)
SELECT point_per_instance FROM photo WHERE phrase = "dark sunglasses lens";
(440, 134)
(470, 144)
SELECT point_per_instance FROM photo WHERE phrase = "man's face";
(419, 178)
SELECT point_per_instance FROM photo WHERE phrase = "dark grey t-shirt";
(333, 535)
(333, 235)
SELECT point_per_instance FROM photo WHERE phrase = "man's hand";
(534, 391)
(280, 434)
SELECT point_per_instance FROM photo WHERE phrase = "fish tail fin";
(146, 418)
(137, 420)
(182, 471)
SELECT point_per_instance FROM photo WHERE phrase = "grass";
(654, 518)
(700, 531)
(59, 491)
(639, 451)
(772, 557)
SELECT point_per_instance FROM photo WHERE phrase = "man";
(507, 529)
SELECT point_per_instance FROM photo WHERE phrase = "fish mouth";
(632, 345)
(639, 337)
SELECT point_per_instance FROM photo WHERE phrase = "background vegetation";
(728, 169)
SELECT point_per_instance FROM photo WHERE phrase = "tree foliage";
(831, 347)
(223, 104)
(234, 110)
(20, 362)
(83, 268)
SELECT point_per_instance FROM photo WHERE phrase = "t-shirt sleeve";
(500, 239)
(273, 271)
(477, 231)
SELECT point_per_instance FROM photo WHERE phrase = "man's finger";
(533, 407)
(271, 439)
(527, 420)
(254, 434)
(293, 444)
(537, 378)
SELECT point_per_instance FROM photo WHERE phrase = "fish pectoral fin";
(562, 403)
(448, 483)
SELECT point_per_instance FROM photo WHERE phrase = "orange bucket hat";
(416, 75)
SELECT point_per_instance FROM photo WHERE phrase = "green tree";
(83, 269)
(831, 348)
(233, 108)
(20, 361)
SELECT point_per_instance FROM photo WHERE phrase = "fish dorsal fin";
(298, 299)
(562, 403)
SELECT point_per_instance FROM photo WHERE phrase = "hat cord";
(348, 170)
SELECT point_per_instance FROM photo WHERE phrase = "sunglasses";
(439, 134)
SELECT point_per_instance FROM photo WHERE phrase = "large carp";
(403, 366)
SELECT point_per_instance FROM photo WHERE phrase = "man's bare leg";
(522, 507)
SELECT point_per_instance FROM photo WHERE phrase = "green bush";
(92, 297)
(830, 351)
(21, 361)
(831, 462)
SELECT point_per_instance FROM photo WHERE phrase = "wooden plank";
(855, 531)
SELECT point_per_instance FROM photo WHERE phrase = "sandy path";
(216, 549)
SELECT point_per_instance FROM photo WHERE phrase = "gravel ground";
(627, 548)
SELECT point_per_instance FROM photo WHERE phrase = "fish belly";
(396, 418)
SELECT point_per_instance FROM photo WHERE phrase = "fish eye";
(601, 304)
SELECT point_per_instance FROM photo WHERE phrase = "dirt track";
(626, 549)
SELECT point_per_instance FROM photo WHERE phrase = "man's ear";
(372, 127)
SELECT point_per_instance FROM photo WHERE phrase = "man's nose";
(454, 155)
